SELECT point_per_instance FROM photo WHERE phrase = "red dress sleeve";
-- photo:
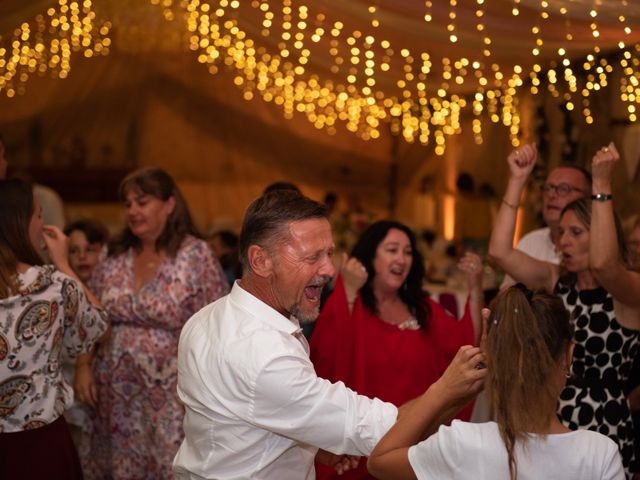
(333, 337)
(448, 332)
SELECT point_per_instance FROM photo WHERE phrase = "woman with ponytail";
(596, 286)
(528, 352)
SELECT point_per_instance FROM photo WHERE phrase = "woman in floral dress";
(156, 276)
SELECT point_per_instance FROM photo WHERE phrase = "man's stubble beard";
(302, 317)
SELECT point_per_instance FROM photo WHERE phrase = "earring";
(568, 373)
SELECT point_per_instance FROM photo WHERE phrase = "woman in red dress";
(380, 332)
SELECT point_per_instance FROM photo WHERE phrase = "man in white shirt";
(563, 185)
(255, 407)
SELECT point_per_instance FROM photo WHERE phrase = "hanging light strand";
(48, 42)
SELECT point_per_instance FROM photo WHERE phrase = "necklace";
(409, 324)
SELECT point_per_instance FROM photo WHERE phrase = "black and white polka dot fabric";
(604, 350)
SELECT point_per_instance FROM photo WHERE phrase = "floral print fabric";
(137, 427)
(49, 313)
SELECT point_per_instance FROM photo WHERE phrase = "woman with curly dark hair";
(380, 332)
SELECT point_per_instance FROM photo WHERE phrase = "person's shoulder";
(233, 329)
(463, 428)
(238, 341)
(193, 246)
(195, 328)
(470, 436)
(536, 235)
(48, 193)
(599, 441)
(58, 276)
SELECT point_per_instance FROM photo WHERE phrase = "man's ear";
(260, 261)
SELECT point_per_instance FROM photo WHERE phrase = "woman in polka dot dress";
(599, 290)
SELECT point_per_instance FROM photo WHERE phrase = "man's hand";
(341, 463)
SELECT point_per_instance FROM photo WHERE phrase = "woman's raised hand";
(522, 160)
(471, 264)
(57, 245)
(464, 377)
(602, 165)
(354, 275)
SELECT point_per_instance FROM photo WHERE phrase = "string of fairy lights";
(47, 43)
(277, 51)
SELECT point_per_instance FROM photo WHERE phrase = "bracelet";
(510, 205)
(601, 197)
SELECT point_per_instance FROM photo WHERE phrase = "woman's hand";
(464, 377)
(84, 384)
(58, 247)
(602, 166)
(522, 160)
(354, 276)
(471, 264)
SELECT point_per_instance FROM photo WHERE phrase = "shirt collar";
(263, 312)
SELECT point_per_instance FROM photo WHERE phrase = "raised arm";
(58, 247)
(471, 264)
(604, 252)
(523, 268)
(354, 276)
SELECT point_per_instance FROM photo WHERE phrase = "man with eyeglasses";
(563, 185)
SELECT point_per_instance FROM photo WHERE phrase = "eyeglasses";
(561, 190)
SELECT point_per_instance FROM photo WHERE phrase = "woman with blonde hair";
(528, 351)
(596, 286)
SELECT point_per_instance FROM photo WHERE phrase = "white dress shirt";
(255, 407)
(538, 244)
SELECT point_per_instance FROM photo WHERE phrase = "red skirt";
(45, 452)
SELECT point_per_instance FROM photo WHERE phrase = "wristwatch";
(601, 197)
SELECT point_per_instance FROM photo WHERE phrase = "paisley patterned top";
(49, 313)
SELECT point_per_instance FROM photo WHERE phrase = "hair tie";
(527, 293)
